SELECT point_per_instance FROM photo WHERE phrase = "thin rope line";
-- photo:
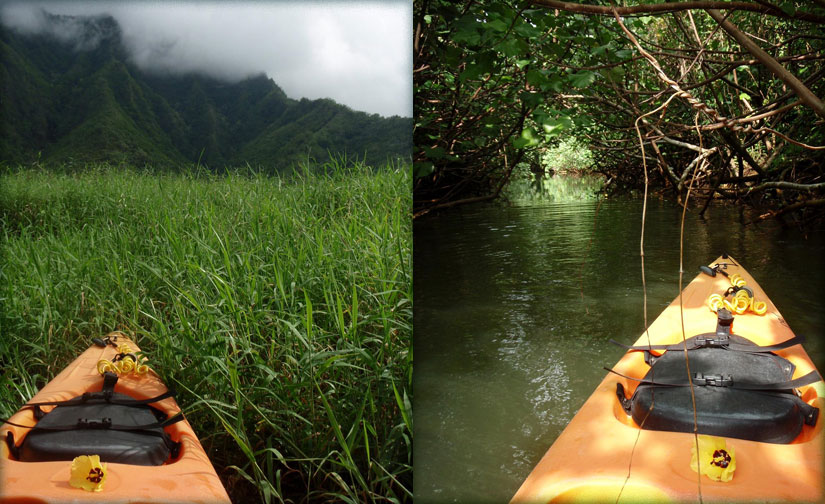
(682, 315)
(644, 286)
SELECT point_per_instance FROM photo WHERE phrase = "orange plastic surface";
(591, 459)
(188, 478)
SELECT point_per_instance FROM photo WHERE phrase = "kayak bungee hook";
(110, 339)
(126, 361)
(716, 268)
(741, 297)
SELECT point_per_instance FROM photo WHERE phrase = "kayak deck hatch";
(132, 422)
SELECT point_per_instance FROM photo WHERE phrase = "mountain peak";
(83, 32)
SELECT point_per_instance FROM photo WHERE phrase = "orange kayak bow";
(149, 451)
(604, 456)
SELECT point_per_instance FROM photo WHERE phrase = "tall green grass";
(280, 308)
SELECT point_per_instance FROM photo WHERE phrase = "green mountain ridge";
(81, 99)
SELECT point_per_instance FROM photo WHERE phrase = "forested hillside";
(81, 99)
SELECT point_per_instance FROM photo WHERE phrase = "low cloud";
(358, 54)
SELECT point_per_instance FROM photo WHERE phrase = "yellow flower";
(88, 473)
(718, 461)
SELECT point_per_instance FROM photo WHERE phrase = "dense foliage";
(83, 100)
(497, 82)
(280, 309)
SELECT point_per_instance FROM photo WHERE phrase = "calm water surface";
(515, 306)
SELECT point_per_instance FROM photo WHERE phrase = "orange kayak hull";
(188, 478)
(602, 455)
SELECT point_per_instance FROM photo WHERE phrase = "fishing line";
(701, 165)
(644, 284)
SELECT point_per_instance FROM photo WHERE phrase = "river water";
(515, 306)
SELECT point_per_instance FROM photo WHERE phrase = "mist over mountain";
(70, 90)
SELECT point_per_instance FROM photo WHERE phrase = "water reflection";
(514, 309)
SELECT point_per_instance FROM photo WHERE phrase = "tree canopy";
(723, 97)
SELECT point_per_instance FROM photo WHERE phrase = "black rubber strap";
(174, 446)
(807, 379)
(730, 382)
(796, 340)
(13, 448)
(100, 397)
(38, 413)
(693, 344)
(623, 400)
(644, 381)
(105, 424)
(109, 382)
(809, 412)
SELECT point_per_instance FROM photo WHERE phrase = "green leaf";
(554, 126)
(452, 55)
(468, 37)
(583, 121)
(526, 30)
(497, 25)
(614, 74)
(600, 50)
(428, 18)
(582, 79)
(435, 152)
(540, 116)
(467, 31)
(744, 96)
(512, 47)
(624, 53)
(423, 169)
(484, 63)
(556, 83)
(536, 78)
(532, 100)
(528, 138)
(520, 143)
(473, 71)
(544, 80)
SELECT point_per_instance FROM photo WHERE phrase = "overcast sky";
(358, 54)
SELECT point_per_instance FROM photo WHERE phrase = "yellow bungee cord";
(123, 363)
(740, 302)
